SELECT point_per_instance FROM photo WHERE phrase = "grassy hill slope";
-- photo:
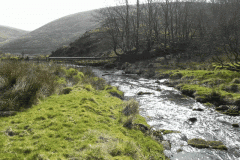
(52, 35)
(9, 33)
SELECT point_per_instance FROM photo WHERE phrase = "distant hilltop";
(49, 37)
(9, 33)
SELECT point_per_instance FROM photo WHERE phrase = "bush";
(131, 108)
(23, 83)
(71, 72)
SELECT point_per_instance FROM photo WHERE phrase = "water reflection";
(168, 109)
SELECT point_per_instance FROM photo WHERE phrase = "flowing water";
(170, 110)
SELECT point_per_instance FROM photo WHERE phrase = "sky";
(31, 14)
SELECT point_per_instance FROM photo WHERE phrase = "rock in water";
(193, 119)
(166, 145)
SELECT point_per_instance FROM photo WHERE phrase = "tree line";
(199, 28)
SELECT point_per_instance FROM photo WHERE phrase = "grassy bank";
(213, 86)
(82, 121)
(207, 82)
(23, 84)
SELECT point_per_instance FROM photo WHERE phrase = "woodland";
(196, 30)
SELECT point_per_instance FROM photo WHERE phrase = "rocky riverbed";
(194, 130)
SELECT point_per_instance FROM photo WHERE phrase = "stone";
(166, 145)
(158, 135)
(128, 124)
(142, 127)
(142, 93)
(10, 132)
(198, 109)
(115, 94)
(235, 125)
(157, 81)
(193, 119)
(222, 108)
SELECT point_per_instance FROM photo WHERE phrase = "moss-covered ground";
(83, 122)
(200, 143)
(216, 86)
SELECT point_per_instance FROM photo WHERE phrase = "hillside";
(93, 43)
(9, 33)
(52, 35)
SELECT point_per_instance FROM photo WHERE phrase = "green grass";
(82, 124)
(83, 121)
(205, 85)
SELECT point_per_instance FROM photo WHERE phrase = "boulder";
(193, 119)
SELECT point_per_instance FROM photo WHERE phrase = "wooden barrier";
(79, 58)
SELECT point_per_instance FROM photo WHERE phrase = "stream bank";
(166, 109)
(217, 88)
(85, 121)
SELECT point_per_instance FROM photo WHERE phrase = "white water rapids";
(169, 109)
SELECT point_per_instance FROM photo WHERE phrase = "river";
(166, 108)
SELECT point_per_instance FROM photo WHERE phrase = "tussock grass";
(22, 83)
(80, 125)
(81, 121)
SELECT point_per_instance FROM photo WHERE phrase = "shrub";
(95, 82)
(71, 72)
(131, 108)
(98, 83)
(23, 83)
(88, 87)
